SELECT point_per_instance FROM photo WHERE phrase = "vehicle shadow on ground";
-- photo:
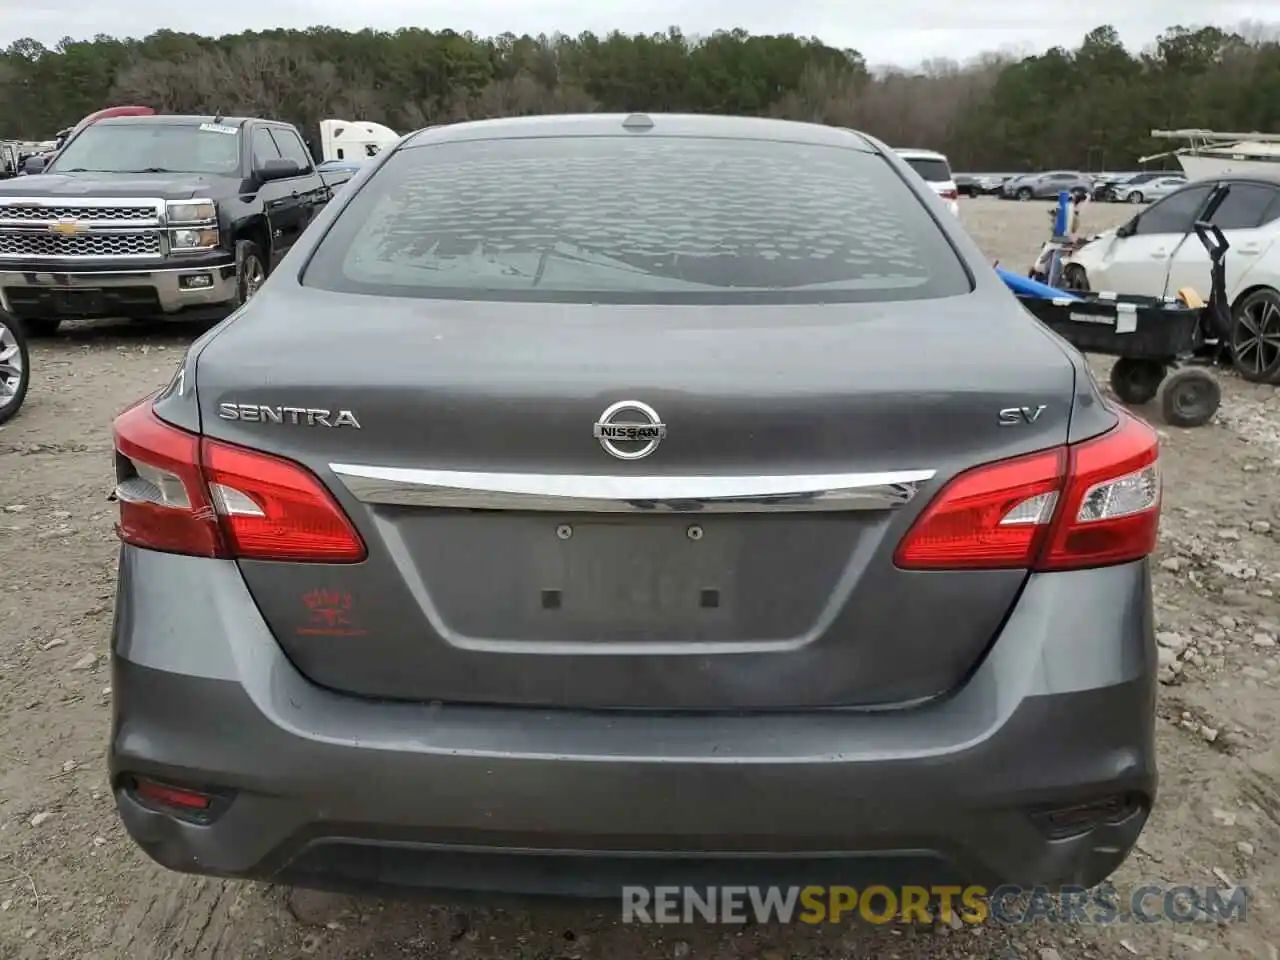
(167, 332)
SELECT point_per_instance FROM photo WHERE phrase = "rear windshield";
(935, 171)
(637, 220)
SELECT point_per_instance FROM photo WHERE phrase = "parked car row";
(1141, 187)
(980, 184)
(1046, 186)
(1132, 187)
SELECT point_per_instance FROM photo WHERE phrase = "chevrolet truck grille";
(33, 213)
(89, 229)
(32, 244)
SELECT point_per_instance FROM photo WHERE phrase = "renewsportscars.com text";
(1103, 904)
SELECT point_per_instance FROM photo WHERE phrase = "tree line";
(1091, 107)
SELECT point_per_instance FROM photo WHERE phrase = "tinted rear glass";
(935, 171)
(637, 220)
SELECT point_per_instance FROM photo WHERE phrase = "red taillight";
(950, 195)
(273, 509)
(164, 504)
(1085, 505)
(992, 516)
(1110, 512)
(180, 494)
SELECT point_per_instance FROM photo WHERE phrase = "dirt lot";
(72, 884)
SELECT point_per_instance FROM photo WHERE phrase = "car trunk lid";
(744, 563)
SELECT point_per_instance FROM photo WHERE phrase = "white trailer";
(354, 139)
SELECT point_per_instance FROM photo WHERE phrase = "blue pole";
(1062, 225)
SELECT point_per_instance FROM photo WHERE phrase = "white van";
(935, 168)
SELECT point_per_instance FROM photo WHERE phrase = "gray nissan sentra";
(654, 499)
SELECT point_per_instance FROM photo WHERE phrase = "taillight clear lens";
(1087, 505)
(1127, 495)
(178, 494)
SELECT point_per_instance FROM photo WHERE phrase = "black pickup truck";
(156, 216)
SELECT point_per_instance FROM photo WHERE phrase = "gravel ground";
(73, 885)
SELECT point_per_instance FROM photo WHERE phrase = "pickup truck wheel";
(41, 326)
(15, 366)
(252, 271)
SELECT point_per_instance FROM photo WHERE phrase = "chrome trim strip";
(73, 201)
(91, 226)
(84, 257)
(461, 490)
(91, 278)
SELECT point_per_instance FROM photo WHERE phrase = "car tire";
(15, 366)
(1135, 197)
(1255, 337)
(1024, 193)
(251, 270)
(1136, 381)
(41, 326)
(1190, 397)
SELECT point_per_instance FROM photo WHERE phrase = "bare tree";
(824, 95)
(264, 78)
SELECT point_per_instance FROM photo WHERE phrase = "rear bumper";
(53, 291)
(333, 791)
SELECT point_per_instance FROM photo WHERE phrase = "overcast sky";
(902, 32)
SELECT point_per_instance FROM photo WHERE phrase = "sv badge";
(1015, 416)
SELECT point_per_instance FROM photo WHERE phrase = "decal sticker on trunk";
(329, 615)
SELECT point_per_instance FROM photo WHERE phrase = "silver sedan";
(1149, 190)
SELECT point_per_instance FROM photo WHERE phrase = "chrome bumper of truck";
(114, 293)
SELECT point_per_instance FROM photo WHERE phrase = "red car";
(102, 115)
